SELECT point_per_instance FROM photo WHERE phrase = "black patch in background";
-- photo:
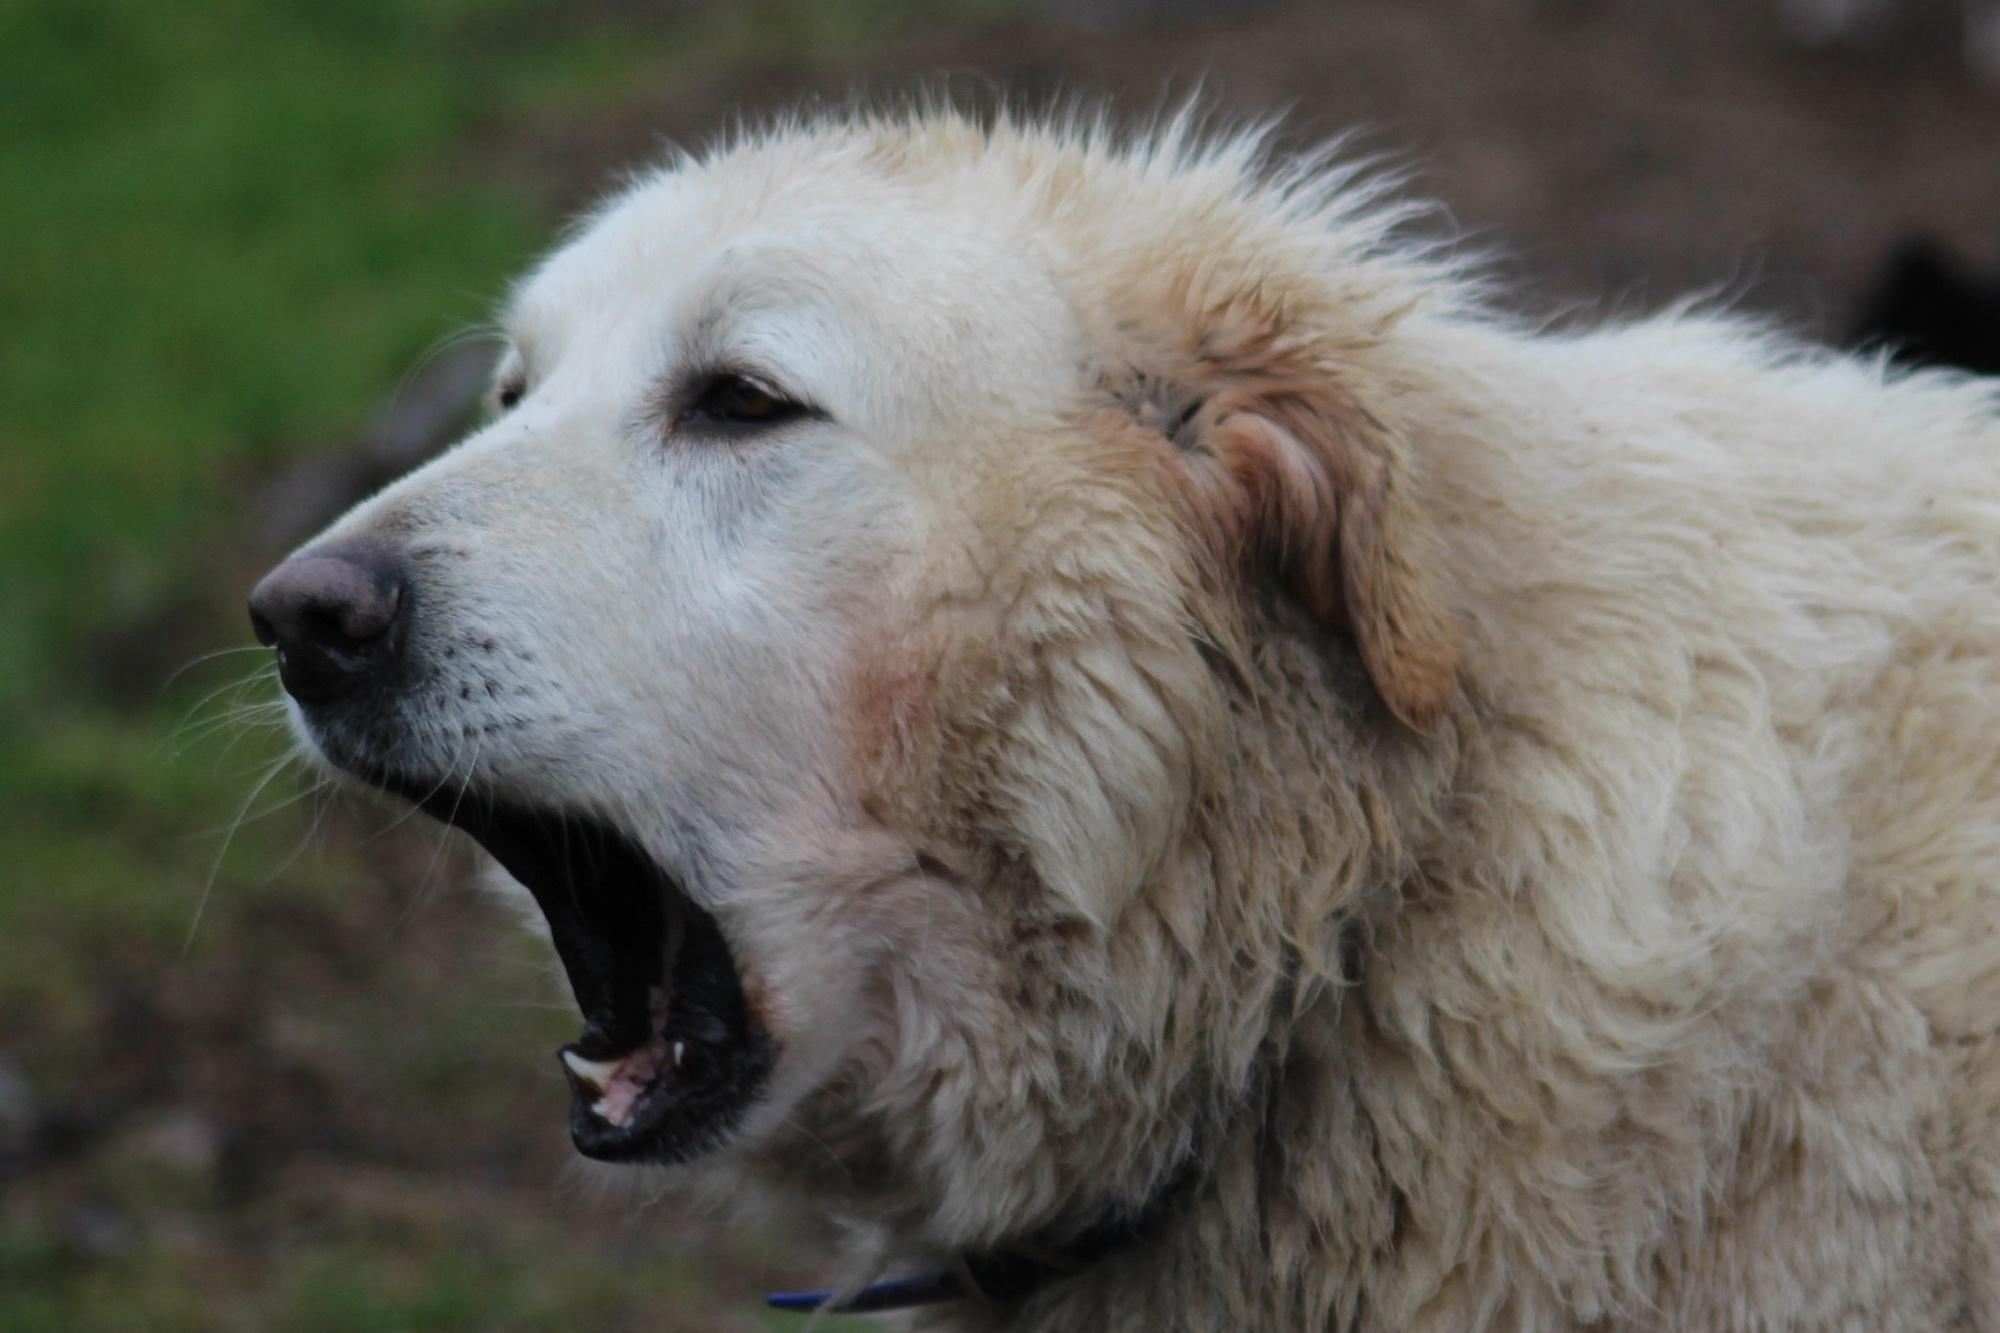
(1931, 309)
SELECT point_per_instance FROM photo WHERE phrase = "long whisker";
(237, 824)
(479, 331)
(242, 731)
(319, 784)
(200, 658)
(417, 806)
(201, 905)
(444, 838)
(326, 795)
(248, 717)
(254, 678)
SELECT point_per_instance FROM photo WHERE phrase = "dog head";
(873, 626)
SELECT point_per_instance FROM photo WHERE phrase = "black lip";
(623, 929)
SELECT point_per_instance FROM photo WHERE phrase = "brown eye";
(734, 400)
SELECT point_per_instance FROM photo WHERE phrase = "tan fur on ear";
(1289, 468)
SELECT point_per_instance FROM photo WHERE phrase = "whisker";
(415, 807)
(237, 739)
(241, 820)
(201, 905)
(200, 658)
(444, 836)
(484, 330)
(266, 672)
(318, 785)
(326, 795)
(249, 717)
(839, 1164)
(188, 718)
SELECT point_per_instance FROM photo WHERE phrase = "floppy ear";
(1289, 470)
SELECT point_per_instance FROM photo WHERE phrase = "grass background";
(296, 1076)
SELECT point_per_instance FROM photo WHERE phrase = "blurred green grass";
(227, 232)
(226, 236)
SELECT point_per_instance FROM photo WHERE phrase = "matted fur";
(1519, 811)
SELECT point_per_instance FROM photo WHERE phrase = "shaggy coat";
(1476, 827)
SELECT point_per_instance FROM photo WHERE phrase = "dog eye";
(510, 391)
(735, 400)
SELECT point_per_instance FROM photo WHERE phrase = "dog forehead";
(828, 270)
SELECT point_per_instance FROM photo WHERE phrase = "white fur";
(1520, 810)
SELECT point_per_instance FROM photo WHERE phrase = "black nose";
(335, 615)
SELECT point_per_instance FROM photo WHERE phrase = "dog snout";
(336, 615)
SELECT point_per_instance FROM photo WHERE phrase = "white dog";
(1087, 713)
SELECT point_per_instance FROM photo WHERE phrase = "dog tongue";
(623, 1079)
(620, 1083)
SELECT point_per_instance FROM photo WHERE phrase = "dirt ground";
(1613, 154)
(1610, 154)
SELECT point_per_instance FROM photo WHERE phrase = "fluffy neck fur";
(1296, 825)
(1527, 1103)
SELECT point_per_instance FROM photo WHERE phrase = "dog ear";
(1288, 469)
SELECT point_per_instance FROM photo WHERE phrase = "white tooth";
(680, 1049)
(597, 1073)
(598, 1109)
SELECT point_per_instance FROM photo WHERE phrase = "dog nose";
(335, 616)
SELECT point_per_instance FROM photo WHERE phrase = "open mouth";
(670, 1055)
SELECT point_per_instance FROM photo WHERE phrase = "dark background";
(267, 1061)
